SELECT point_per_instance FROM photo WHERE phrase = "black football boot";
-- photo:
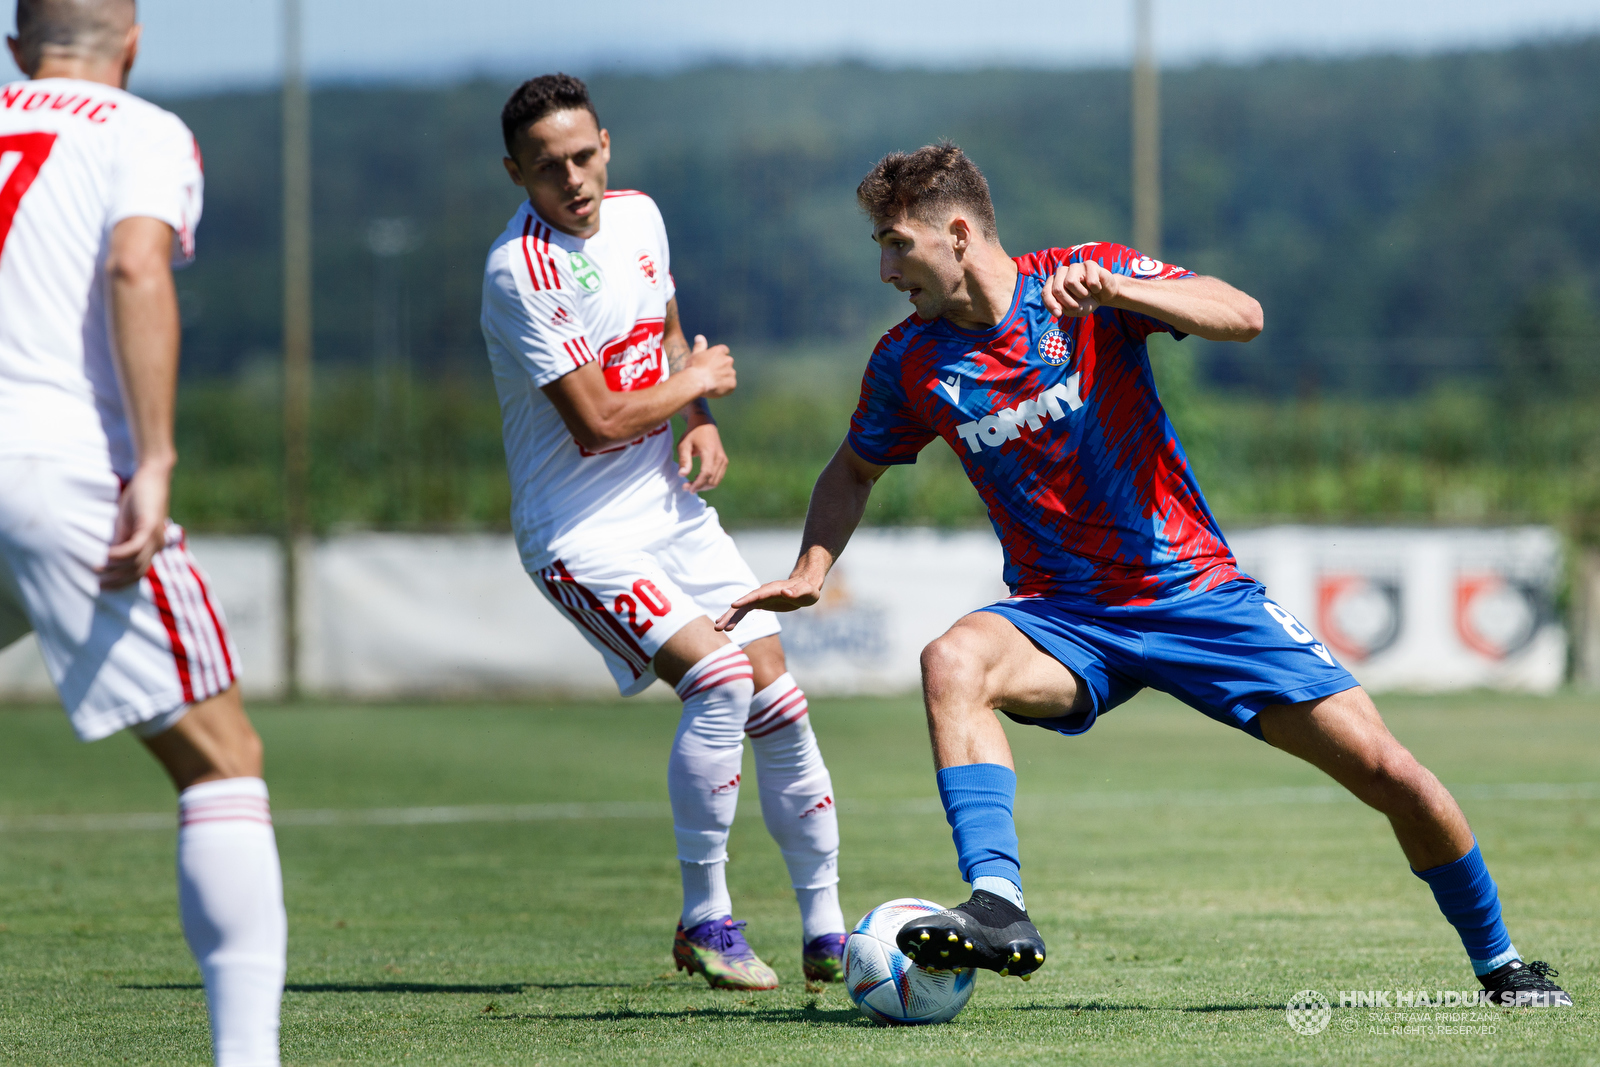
(987, 931)
(1524, 985)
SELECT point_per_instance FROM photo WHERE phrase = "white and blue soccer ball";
(884, 983)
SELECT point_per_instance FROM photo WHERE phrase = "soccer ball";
(887, 987)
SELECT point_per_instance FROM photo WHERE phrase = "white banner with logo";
(1421, 609)
(393, 615)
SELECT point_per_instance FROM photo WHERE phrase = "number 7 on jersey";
(21, 156)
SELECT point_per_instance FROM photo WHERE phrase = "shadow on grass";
(1146, 1007)
(833, 1016)
(502, 988)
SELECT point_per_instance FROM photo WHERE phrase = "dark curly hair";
(925, 184)
(538, 97)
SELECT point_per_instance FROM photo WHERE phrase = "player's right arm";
(838, 501)
(600, 418)
(145, 338)
(540, 326)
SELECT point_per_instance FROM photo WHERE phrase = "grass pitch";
(1188, 880)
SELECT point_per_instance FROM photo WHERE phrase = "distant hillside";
(1400, 218)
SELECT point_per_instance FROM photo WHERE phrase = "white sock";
(705, 892)
(819, 912)
(230, 899)
(1004, 888)
(797, 802)
(703, 772)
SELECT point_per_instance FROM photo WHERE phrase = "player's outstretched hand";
(705, 442)
(717, 366)
(1077, 289)
(791, 594)
(141, 528)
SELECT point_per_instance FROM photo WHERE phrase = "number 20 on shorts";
(647, 594)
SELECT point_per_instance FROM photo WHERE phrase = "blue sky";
(197, 44)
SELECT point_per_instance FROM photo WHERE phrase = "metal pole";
(1146, 133)
(296, 330)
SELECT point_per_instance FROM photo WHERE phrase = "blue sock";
(1469, 899)
(977, 802)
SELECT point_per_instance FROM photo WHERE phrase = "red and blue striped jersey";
(1060, 430)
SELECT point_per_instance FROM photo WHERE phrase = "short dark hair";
(926, 183)
(538, 97)
(96, 27)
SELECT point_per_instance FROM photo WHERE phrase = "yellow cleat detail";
(944, 952)
(967, 945)
(1027, 977)
(953, 937)
(924, 935)
(1016, 957)
(1038, 957)
(1004, 971)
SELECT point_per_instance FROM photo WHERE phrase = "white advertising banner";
(891, 593)
(1421, 609)
(393, 615)
(385, 615)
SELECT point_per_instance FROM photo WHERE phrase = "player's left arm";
(1205, 307)
(701, 439)
(145, 338)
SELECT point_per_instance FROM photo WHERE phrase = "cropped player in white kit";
(99, 194)
(590, 363)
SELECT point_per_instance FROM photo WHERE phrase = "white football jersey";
(552, 303)
(76, 158)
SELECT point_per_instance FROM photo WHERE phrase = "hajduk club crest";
(1055, 347)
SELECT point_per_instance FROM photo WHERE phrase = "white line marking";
(651, 809)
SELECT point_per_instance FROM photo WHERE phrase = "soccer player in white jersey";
(590, 363)
(99, 194)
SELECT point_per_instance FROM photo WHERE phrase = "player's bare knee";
(950, 668)
(1396, 784)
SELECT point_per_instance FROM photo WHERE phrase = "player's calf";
(798, 806)
(230, 886)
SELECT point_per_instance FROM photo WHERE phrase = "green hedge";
(415, 455)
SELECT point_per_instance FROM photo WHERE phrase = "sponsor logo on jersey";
(992, 431)
(634, 360)
(1055, 347)
(584, 272)
(1144, 267)
(560, 318)
(647, 267)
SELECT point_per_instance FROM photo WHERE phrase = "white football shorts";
(628, 600)
(132, 657)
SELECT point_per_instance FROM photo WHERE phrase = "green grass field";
(1188, 879)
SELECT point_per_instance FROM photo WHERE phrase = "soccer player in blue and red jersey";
(1034, 371)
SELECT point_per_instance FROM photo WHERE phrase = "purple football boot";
(822, 958)
(717, 949)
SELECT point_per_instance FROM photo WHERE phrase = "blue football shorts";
(1228, 653)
